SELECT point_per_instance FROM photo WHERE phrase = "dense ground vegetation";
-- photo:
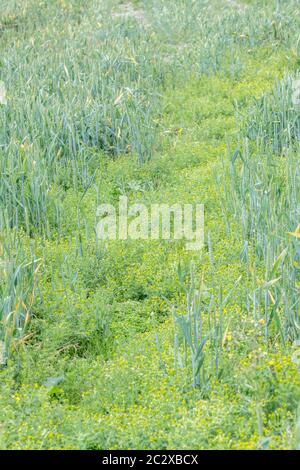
(162, 101)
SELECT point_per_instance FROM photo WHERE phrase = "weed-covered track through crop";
(133, 343)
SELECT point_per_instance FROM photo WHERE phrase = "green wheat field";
(142, 344)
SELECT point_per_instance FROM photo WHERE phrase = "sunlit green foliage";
(162, 101)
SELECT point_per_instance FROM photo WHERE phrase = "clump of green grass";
(202, 324)
(274, 121)
(18, 286)
(192, 331)
(264, 195)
